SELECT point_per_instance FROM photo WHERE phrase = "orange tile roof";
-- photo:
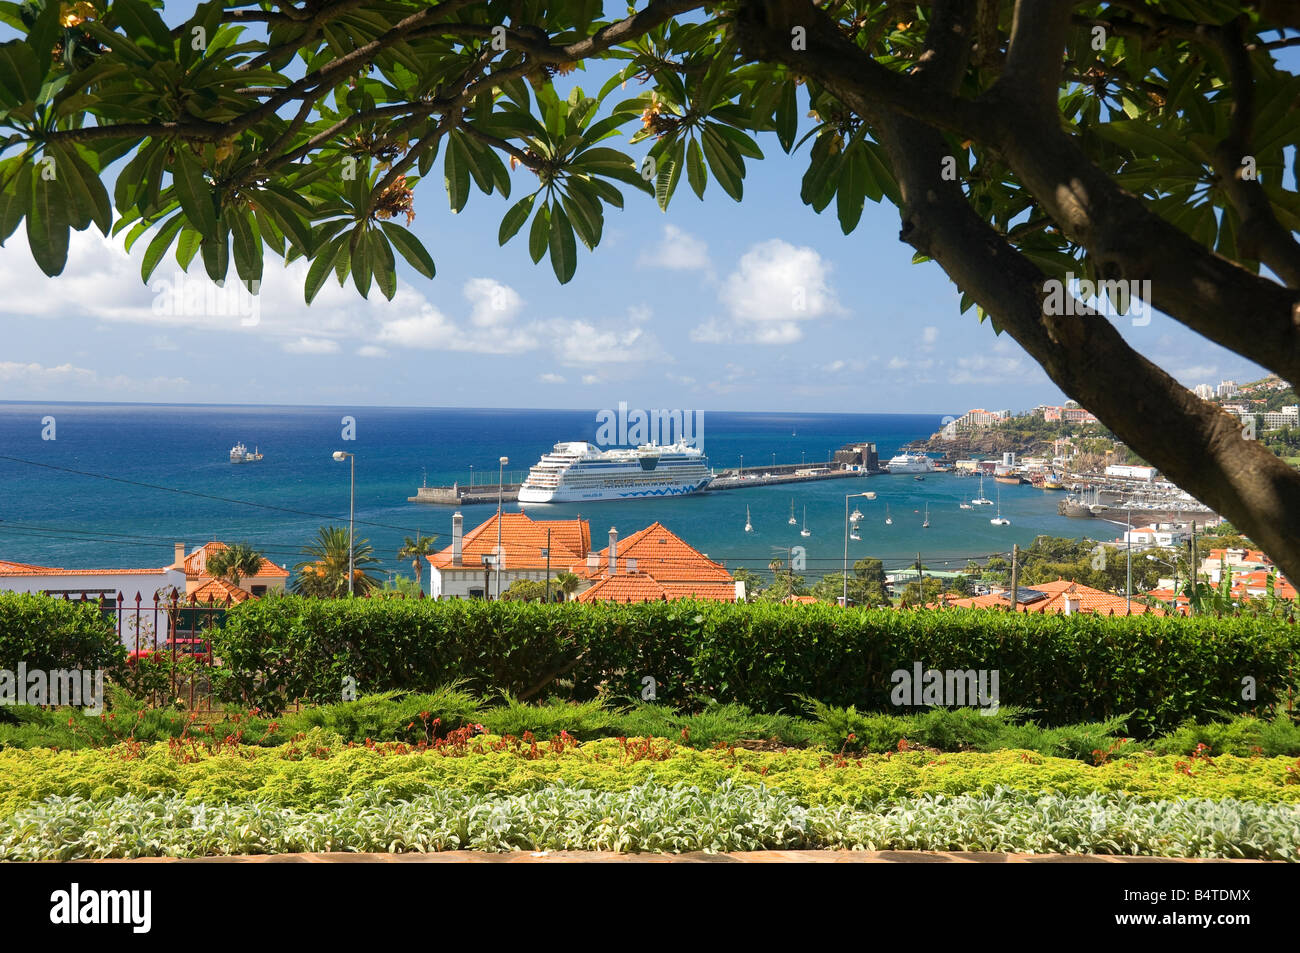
(642, 587)
(219, 590)
(661, 553)
(522, 539)
(1248, 556)
(8, 568)
(195, 566)
(1090, 600)
(803, 600)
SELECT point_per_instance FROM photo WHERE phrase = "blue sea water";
(121, 482)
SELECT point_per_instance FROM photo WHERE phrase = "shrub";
(1082, 668)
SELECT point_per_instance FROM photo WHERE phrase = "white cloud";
(578, 342)
(929, 335)
(592, 379)
(492, 304)
(370, 350)
(69, 382)
(306, 345)
(775, 289)
(550, 378)
(988, 369)
(711, 331)
(678, 250)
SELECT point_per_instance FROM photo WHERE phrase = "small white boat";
(749, 527)
(965, 506)
(926, 524)
(805, 531)
(982, 500)
(792, 521)
(999, 520)
(889, 520)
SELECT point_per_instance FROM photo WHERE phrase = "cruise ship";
(910, 463)
(577, 471)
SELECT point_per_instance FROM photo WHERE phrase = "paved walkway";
(752, 857)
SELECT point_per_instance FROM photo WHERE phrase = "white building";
(92, 584)
(1204, 391)
(1278, 419)
(1164, 536)
(1227, 389)
(1129, 472)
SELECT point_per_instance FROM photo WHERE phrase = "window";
(259, 590)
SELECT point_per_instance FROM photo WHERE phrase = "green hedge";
(1066, 668)
(47, 633)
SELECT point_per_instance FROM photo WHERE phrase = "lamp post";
(340, 456)
(845, 598)
(1173, 603)
(501, 475)
(1128, 556)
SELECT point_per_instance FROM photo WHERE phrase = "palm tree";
(235, 562)
(567, 583)
(324, 573)
(416, 550)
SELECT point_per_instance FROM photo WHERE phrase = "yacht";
(805, 531)
(910, 463)
(889, 520)
(982, 500)
(749, 527)
(926, 524)
(1000, 520)
(576, 471)
(792, 521)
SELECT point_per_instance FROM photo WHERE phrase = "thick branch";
(1198, 446)
(1032, 75)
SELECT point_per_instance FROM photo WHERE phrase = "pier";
(732, 478)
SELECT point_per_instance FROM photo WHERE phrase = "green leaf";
(321, 266)
(584, 214)
(142, 24)
(247, 243)
(850, 195)
(193, 192)
(515, 218)
(187, 246)
(20, 74)
(456, 173)
(382, 262)
(537, 236)
(787, 116)
(362, 264)
(564, 249)
(416, 255)
(15, 197)
(48, 224)
(695, 168)
(728, 167)
(159, 245)
(216, 253)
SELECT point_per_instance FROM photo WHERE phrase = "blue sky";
(688, 308)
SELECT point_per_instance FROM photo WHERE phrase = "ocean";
(120, 483)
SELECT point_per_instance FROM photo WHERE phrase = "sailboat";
(999, 520)
(982, 500)
(889, 520)
(804, 531)
(792, 521)
(926, 524)
(749, 527)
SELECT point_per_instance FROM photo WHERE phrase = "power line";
(195, 493)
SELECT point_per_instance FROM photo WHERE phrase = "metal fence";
(169, 651)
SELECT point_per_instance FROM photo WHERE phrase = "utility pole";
(1015, 574)
(501, 467)
(548, 564)
(1128, 554)
(1196, 574)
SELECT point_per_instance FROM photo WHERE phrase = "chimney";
(593, 560)
(1071, 603)
(630, 564)
(457, 530)
(613, 551)
(180, 556)
(740, 590)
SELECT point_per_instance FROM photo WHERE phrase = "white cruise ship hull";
(568, 494)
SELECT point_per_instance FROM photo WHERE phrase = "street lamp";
(501, 476)
(845, 600)
(340, 456)
(1173, 603)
